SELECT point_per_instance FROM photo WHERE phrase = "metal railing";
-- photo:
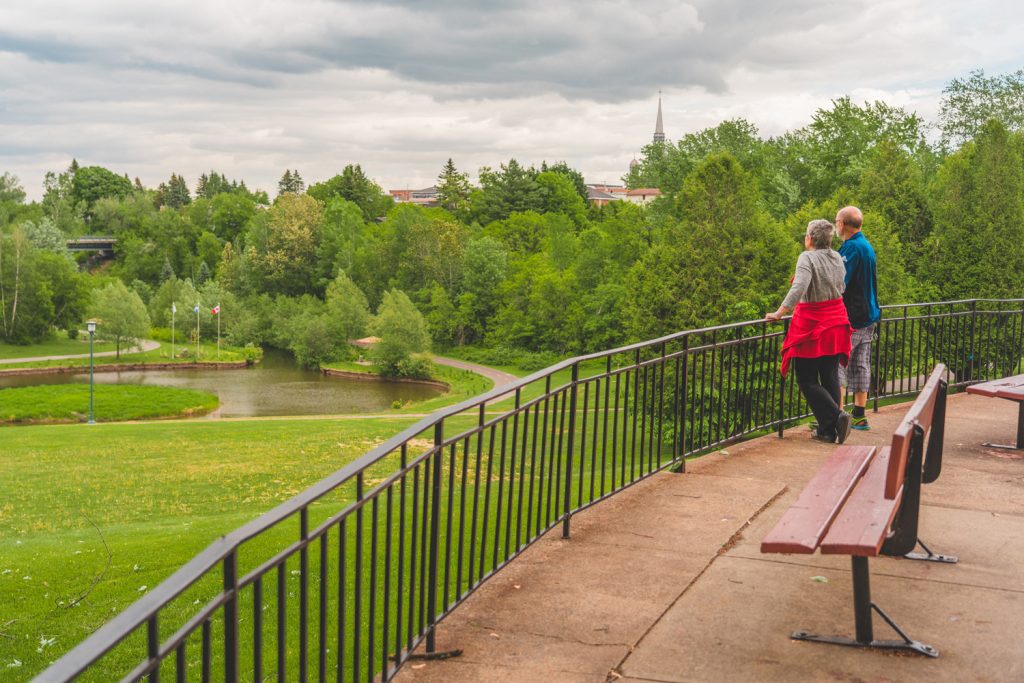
(345, 580)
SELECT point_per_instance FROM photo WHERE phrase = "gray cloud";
(251, 87)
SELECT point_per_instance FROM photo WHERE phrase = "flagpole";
(197, 333)
(174, 309)
(218, 331)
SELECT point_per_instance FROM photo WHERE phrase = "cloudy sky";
(252, 87)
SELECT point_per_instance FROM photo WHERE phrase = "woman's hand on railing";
(777, 315)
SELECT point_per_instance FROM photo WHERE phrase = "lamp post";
(91, 326)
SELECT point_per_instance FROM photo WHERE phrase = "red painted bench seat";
(864, 502)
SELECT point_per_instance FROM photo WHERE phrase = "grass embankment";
(112, 403)
(462, 384)
(161, 354)
(58, 346)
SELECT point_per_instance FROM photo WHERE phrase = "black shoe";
(824, 438)
(843, 423)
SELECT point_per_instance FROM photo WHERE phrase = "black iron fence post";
(681, 403)
(435, 534)
(782, 382)
(231, 618)
(974, 327)
(567, 506)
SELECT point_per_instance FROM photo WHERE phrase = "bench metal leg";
(929, 556)
(862, 608)
(1020, 433)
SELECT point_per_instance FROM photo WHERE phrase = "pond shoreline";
(371, 377)
(125, 367)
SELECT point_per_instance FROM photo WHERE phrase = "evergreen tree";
(353, 185)
(453, 188)
(291, 183)
(978, 246)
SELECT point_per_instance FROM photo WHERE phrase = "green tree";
(571, 174)
(89, 184)
(120, 314)
(509, 190)
(453, 189)
(230, 213)
(26, 300)
(290, 183)
(978, 246)
(967, 103)
(355, 186)
(179, 293)
(45, 235)
(174, 193)
(725, 260)
(60, 204)
(281, 251)
(558, 195)
(402, 331)
(892, 186)
(343, 235)
(347, 309)
(834, 149)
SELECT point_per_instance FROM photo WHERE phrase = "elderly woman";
(818, 339)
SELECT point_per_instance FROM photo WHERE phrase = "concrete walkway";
(665, 581)
(143, 346)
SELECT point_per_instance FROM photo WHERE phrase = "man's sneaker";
(860, 423)
(843, 423)
(825, 438)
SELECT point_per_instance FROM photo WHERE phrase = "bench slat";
(863, 524)
(921, 412)
(802, 526)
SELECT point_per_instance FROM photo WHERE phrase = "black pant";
(818, 379)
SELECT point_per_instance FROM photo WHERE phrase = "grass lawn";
(112, 403)
(58, 346)
(152, 494)
(91, 518)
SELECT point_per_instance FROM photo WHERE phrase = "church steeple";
(659, 128)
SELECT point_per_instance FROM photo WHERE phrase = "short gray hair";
(821, 231)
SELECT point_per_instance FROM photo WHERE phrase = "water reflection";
(277, 386)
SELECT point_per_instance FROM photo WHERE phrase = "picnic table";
(1012, 389)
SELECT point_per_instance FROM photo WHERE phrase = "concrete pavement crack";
(616, 671)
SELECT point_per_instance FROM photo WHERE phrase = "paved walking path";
(497, 376)
(665, 581)
(144, 345)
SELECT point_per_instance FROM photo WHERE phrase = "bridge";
(105, 245)
(569, 534)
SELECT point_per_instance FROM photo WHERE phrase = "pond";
(276, 386)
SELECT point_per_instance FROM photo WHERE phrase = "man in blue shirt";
(861, 299)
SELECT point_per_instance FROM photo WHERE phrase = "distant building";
(426, 197)
(643, 195)
(659, 128)
(600, 194)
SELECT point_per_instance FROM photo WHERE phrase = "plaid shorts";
(857, 375)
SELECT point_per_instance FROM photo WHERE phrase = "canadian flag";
(216, 309)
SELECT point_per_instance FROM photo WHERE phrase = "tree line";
(522, 266)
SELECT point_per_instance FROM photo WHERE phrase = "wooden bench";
(1012, 389)
(864, 502)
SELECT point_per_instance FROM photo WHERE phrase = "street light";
(91, 326)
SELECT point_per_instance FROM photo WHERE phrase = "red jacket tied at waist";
(817, 329)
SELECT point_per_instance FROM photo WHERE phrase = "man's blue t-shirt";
(861, 295)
